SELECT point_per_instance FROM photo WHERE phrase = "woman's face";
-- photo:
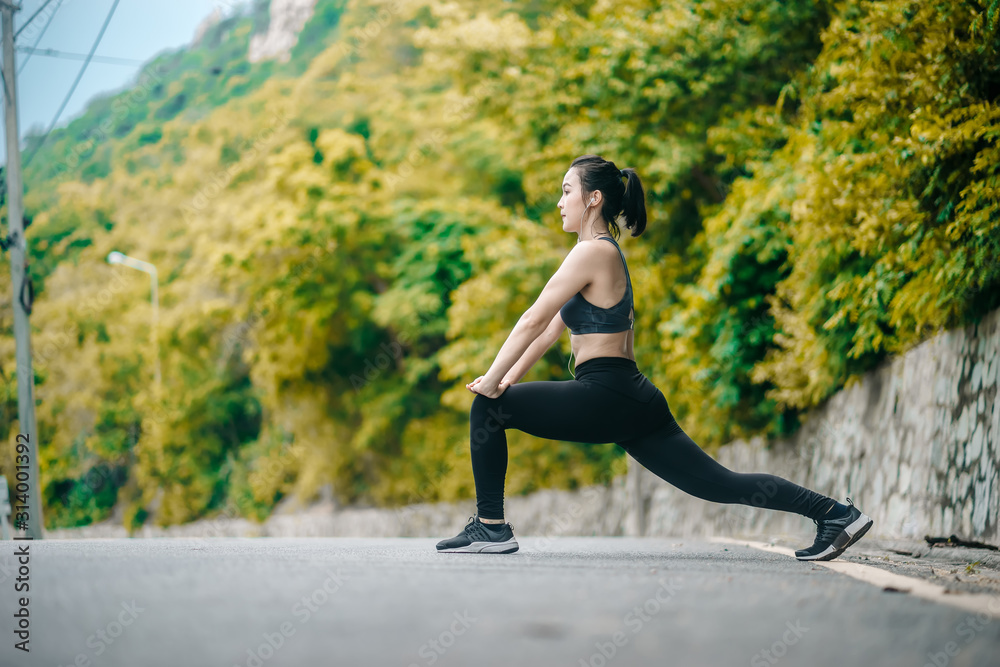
(571, 204)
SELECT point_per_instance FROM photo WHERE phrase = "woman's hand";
(482, 386)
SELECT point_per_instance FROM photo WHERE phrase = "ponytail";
(634, 202)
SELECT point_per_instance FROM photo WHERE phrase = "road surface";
(265, 602)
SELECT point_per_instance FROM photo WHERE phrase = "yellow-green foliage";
(895, 228)
(346, 240)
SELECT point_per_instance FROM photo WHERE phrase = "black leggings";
(610, 400)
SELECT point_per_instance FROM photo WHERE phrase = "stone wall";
(594, 510)
(914, 444)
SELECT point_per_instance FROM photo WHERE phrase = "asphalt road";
(558, 601)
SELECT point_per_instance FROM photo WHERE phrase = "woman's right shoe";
(833, 536)
(476, 538)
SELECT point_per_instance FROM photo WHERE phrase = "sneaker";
(833, 536)
(477, 538)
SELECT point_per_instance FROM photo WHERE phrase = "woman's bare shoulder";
(597, 246)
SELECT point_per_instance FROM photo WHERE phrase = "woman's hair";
(596, 173)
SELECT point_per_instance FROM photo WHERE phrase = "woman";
(609, 399)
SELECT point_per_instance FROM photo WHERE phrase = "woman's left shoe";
(833, 536)
(476, 538)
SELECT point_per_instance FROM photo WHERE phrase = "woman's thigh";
(568, 410)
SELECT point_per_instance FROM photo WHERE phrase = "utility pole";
(24, 477)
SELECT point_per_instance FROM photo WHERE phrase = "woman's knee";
(481, 405)
(490, 414)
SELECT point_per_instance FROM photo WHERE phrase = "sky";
(138, 30)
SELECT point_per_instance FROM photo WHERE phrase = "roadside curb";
(980, 603)
(984, 559)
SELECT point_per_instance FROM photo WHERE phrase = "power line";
(44, 28)
(80, 56)
(32, 17)
(79, 76)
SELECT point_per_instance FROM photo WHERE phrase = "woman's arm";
(572, 276)
(535, 350)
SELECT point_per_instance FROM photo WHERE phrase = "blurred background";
(349, 203)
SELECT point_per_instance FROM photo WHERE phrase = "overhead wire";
(79, 76)
(52, 53)
(40, 34)
(37, 12)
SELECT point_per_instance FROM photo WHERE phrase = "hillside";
(823, 188)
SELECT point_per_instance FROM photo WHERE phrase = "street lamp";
(115, 257)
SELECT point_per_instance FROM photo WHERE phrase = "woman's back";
(583, 316)
(599, 331)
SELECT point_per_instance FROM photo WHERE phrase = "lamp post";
(115, 257)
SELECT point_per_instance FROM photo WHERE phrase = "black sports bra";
(583, 317)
